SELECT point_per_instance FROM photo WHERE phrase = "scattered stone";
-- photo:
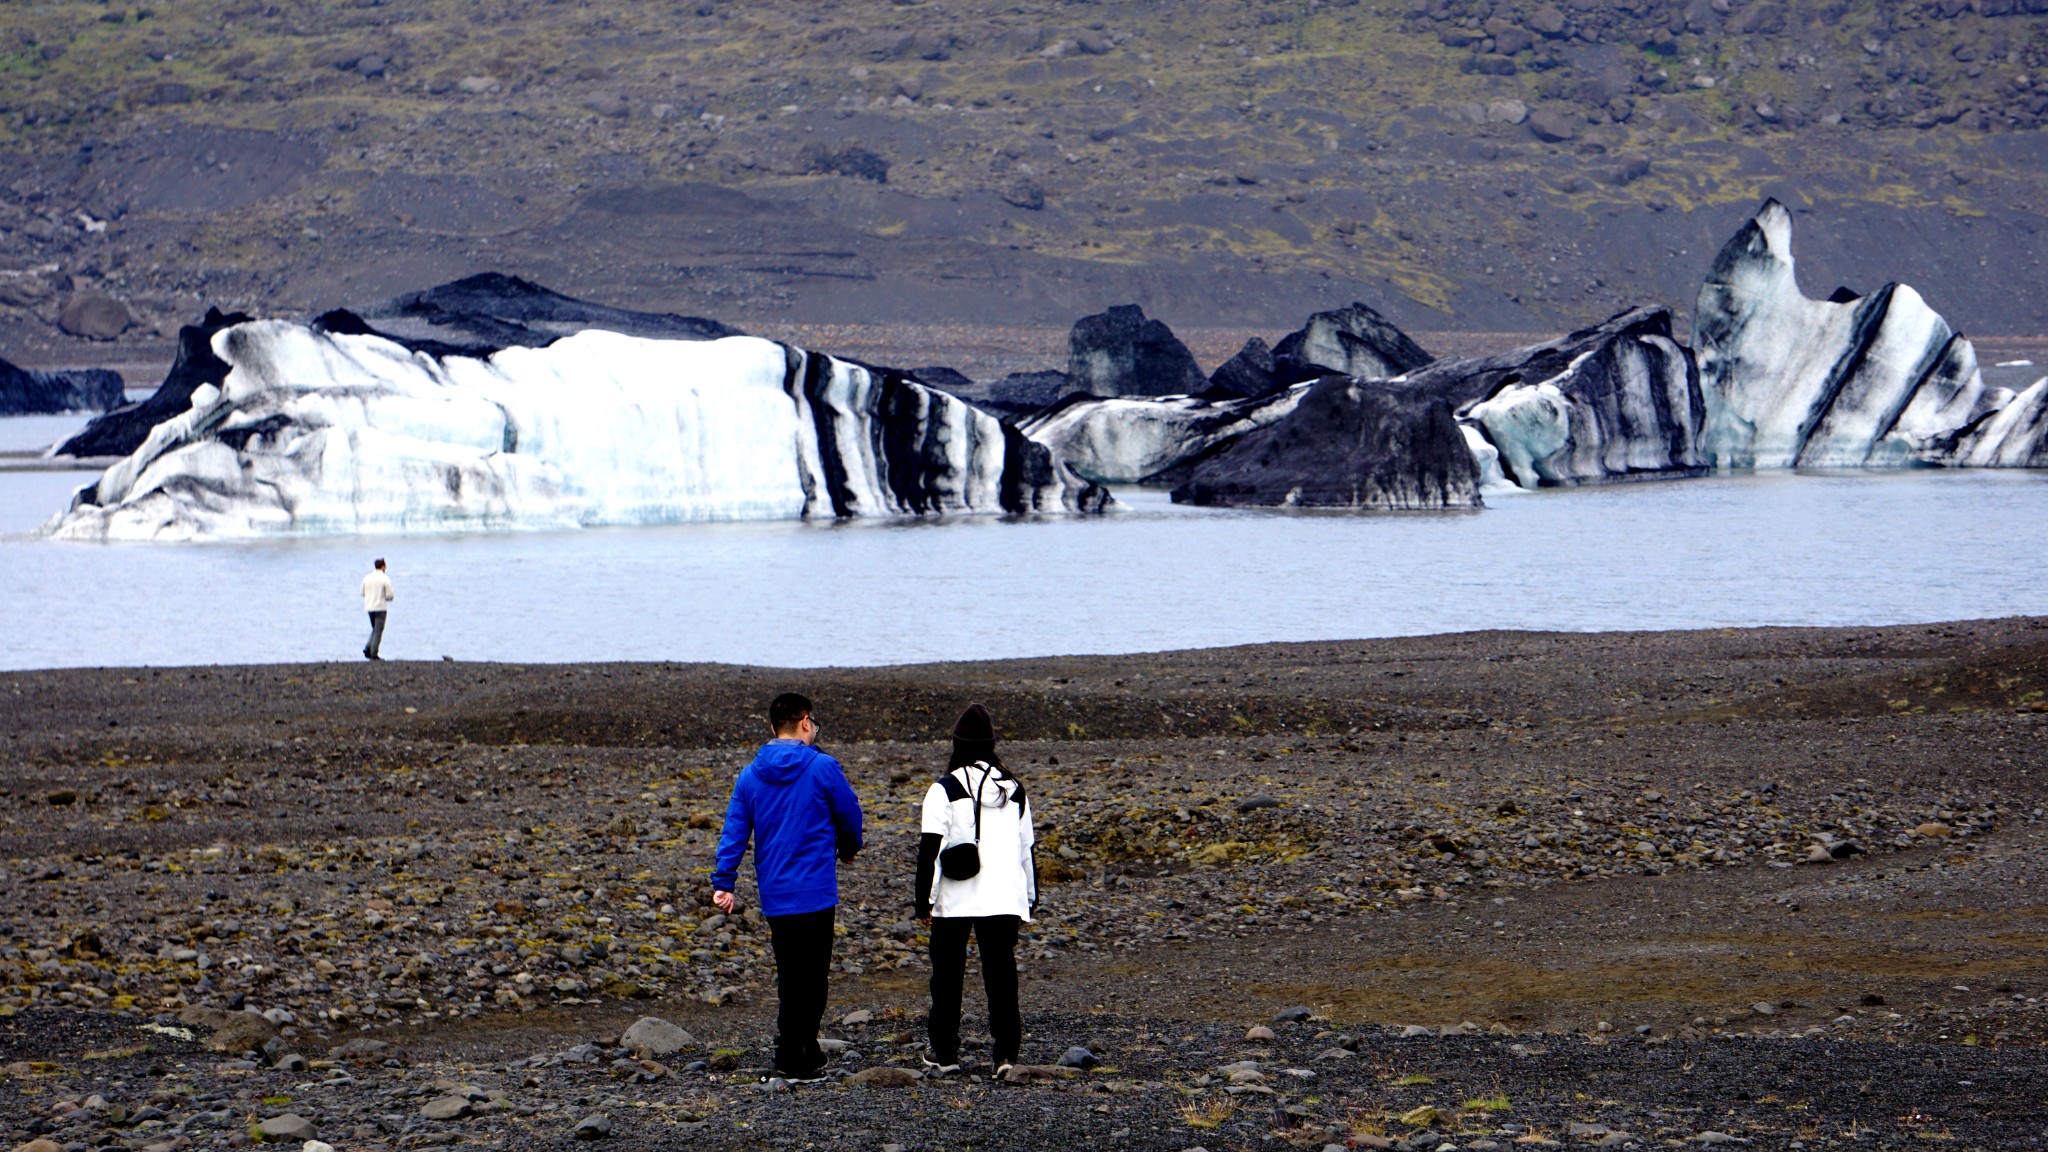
(1024, 193)
(290, 1126)
(291, 1062)
(1712, 1137)
(1764, 1008)
(1507, 111)
(595, 1127)
(239, 1032)
(446, 1108)
(652, 1036)
(1934, 830)
(316, 1146)
(1078, 1057)
(1294, 1015)
(857, 1016)
(40, 1145)
(1258, 1033)
(1413, 1031)
(365, 1052)
(1254, 803)
(883, 1076)
(1038, 1073)
(1552, 126)
(1425, 1116)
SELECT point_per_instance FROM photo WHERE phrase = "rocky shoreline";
(1778, 885)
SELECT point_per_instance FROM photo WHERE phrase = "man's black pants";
(376, 636)
(997, 936)
(803, 959)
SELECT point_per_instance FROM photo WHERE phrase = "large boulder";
(1123, 353)
(1347, 444)
(25, 392)
(95, 316)
(651, 1036)
(1353, 341)
(1850, 381)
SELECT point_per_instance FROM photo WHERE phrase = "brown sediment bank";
(1592, 848)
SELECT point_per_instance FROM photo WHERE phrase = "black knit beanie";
(975, 724)
(974, 737)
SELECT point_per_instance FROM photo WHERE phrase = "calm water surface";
(1779, 549)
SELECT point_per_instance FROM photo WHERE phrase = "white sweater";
(1005, 886)
(377, 592)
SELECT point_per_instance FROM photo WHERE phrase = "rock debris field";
(1773, 888)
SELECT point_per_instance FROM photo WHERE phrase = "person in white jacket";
(377, 597)
(976, 875)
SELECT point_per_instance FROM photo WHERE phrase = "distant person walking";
(377, 597)
(976, 875)
(794, 803)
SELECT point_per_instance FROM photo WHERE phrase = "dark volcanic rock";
(1122, 353)
(1348, 444)
(25, 392)
(1249, 373)
(1355, 341)
(1018, 394)
(123, 430)
(481, 314)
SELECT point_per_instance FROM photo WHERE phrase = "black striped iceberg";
(312, 431)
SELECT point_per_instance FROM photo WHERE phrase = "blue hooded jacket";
(795, 804)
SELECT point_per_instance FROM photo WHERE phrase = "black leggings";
(998, 938)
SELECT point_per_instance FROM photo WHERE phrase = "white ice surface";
(1123, 441)
(1768, 389)
(356, 434)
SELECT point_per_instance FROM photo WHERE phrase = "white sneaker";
(937, 1068)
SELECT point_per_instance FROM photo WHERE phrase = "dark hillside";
(1461, 164)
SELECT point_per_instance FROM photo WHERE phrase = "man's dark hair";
(787, 709)
(380, 561)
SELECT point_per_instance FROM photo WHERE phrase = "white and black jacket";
(1007, 884)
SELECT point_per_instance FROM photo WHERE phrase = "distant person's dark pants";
(998, 938)
(376, 636)
(803, 959)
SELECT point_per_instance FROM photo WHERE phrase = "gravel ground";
(1780, 885)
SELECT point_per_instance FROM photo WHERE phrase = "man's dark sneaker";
(939, 1067)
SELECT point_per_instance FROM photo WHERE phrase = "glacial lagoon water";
(1817, 549)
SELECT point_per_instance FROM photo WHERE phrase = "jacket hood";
(781, 761)
(1000, 789)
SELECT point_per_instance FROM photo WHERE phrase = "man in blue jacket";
(794, 803)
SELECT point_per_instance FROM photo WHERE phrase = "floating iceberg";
(1618, 401)
(1845, 382)
(1130, 441)
(311, 432)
